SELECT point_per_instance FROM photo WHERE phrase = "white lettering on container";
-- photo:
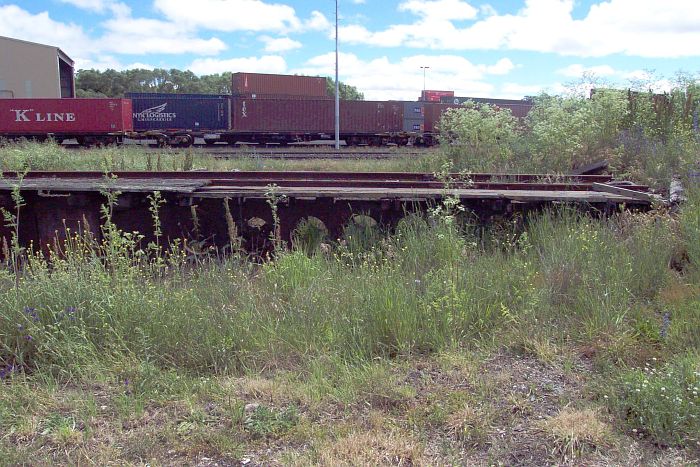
(155, 114)
(24, 115)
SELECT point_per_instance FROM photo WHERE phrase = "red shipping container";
(315, 116)
(433, 112)
(435, 96)
(282, 115)
(278, 85)
(282, 96)
(65, 116)
(371, 116)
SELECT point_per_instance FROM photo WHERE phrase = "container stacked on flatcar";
(87, 120)
(199, 112)
(414, 117)
(519, 108)
(179, 118)
(268, 86)
(286, 109)
(435, 96)
(289, 120)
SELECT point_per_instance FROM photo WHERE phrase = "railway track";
(301, 153)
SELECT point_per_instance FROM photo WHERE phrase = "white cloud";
(123, 34)
(577, 70)
(109, 62)
(230, 15)
(317, 22)
(264, 64)
(100, 6)
(487, 10)
(20, 24)
(280, 44)
(140, 36)
(440, 9)
(359, 2)
(501, 67)
(383, 79)
(646, 28)
(518, 91)
(94, 5)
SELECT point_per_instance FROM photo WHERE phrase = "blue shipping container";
(195, 112)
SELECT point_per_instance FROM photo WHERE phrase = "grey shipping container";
(276, 86)
(413, 109)
(413, 125)
(196, 112)
(315, 116)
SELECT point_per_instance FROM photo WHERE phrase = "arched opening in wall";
(256, 234)
(308, 235)
(361, 232)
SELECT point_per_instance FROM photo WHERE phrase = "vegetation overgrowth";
(645, 136)
(559, 338)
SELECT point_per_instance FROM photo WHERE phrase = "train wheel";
(186, 141)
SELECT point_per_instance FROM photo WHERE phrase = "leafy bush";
(479, 138)
(663, 403)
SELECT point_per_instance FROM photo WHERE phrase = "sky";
(495, 48)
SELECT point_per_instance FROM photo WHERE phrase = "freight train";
(262, 109)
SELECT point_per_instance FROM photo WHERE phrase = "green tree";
(112, 83)
(345, 91)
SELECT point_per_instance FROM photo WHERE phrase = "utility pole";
(337, 93)
(424, 68)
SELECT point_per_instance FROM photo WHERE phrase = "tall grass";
(424, 288)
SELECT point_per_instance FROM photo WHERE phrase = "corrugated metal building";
(34, 70)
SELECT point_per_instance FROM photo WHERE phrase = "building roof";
(59, 52)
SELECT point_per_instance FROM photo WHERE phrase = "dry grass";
(373, 448)
(576, 432)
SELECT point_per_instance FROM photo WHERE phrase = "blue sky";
(492, 48)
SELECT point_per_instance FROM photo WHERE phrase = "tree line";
(112, 83)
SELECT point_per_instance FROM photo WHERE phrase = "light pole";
(424, 68)
(337, 94)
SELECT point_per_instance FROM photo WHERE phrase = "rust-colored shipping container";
(20, 117)
(519, 108)
(435, 96)
(315, 116)
(281, 115)
(371, 116)
(291, 97)
(260, 84)
(433, 112)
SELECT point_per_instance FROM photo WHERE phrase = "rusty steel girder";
(201, 205)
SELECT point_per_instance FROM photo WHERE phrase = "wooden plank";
(623, 192)
(91, 185)
(422, 194)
